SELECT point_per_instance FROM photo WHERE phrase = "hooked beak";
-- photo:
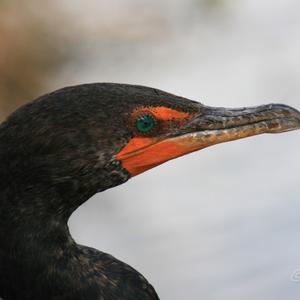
(218, 125)
(208, 127)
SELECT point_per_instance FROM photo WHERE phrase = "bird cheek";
(138, 160)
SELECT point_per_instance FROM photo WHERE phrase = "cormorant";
(64, 147)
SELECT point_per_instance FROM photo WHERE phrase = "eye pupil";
(145, 123)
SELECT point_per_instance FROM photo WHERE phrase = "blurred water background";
(222, 223)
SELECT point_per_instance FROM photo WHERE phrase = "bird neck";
(35, 246)
(38, 194)
(27, 229)
(34, 211)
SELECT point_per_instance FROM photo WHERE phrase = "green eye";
(145, 123)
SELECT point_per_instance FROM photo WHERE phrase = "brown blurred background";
(219, 224)
(40, 39)
(32, 50)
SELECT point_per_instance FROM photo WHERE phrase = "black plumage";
(56, 153)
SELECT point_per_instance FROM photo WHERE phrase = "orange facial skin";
(145, 152)
(174, 136)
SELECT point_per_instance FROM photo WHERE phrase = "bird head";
(83, 139)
